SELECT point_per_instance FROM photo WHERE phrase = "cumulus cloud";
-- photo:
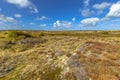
(102, 6)
(105, 19)
(24, 4)
(18, 15)
(32, 23)
(42, 18)
(43, 25)
(21, 3)
(1, 22)
(73, 19)
(59, 23)
(90, 21)
(86, 12)
(7, 19)
(86, 3)
(33, 9)
(114, 10)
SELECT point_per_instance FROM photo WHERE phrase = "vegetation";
(16, 35)
(59, 55)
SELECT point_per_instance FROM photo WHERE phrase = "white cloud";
(33, 9)
(24, 4)
(73, 19)
(105, 19)
(57, 24)
(114, 10)
(18, 15)
(86, 12)
(23, 25)
(62, 24)
(102, 6)
(1, 22)
(90, 21)
(10, 19)
(43, 25)
(21, 3)
(42, 18)
(86, 3)
(117, 20)
(7, 19)
(32, 23)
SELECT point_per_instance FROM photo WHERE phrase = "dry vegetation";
(60, 55)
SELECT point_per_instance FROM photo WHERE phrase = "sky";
(59, 14)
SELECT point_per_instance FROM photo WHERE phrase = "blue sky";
(60, 14)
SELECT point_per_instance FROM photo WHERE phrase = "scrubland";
(59, 55)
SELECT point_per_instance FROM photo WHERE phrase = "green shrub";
(14, 35)
(51, 74)
(105, 32)
(42, 34)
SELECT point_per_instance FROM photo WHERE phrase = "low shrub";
(14, 35)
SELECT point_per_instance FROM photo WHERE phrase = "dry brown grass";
(102, 56)
(27, 58)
